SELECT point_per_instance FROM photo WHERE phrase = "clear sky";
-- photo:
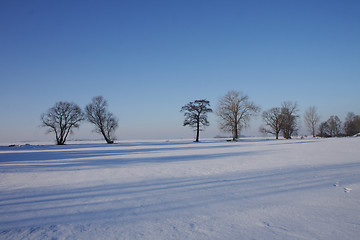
(149, 58)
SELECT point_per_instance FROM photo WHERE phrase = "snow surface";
(251, 189)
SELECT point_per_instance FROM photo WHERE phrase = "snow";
(251, 189)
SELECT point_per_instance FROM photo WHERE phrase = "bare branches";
(282, 120)
(330, 128)
(352, 124)
(104, 121)
(196, 115)
(311, 119)
(61, 119)
(235, 111)
(273, 120)
(289, 119)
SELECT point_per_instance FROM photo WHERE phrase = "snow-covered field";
(251, 189)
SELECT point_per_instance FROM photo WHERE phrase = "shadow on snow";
(142, 200)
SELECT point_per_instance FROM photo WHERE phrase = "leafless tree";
(289, 119)
(311, 119)
(104, 121)
(273, 120)
(330, 128)
(196, 115)
(61, 119)
(324, 129)
(334, 126)
(235, 110)
(352, 124)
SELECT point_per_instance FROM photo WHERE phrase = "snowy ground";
(251, 189)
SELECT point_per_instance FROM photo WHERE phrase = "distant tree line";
(284, 120)
(234, 111)
(333, 127)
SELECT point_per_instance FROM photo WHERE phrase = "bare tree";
(334, 126)
(196, 115)
(61, 119)
(311, 119)
(352, 124)
(104, 121)
(289, 119)
(235, 110)
(273, 120)
(330, 128)
(324, 129)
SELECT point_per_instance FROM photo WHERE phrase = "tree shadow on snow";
(98, 156)
(124, 203)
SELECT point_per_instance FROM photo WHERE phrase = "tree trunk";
(108, 140)
(235, 134)
(197, 130)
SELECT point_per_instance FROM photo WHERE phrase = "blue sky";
(149, 58)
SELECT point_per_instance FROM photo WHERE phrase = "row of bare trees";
(284, 120)
(63, 117)
(235, 110)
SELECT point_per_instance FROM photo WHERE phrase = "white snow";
(251, 189)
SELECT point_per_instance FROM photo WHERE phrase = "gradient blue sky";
(149, 58)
